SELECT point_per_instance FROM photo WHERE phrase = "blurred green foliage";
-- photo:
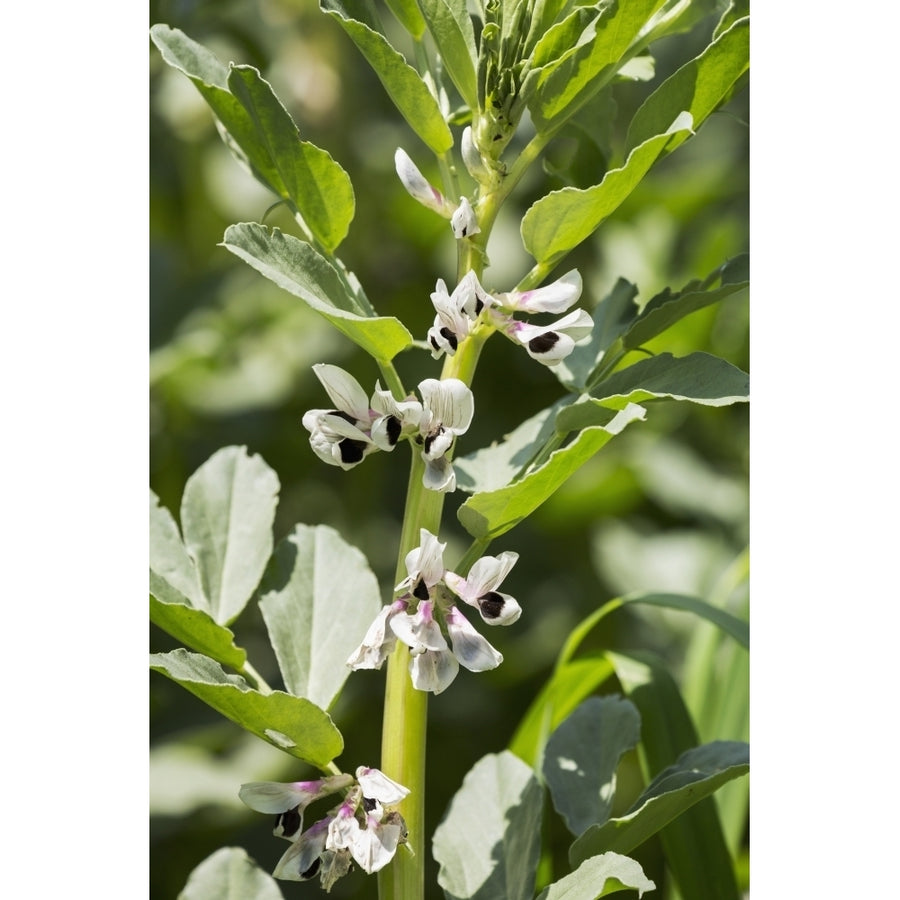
(663, 507)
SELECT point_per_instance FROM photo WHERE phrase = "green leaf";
(409, 15)
(292, 724)
(667, 732)
(497, 465)
(562, 87)
(569, 684)
(737, 9)
(698, 377)
(403, 83)
(667, 308)
(317, 185)
(170, 566)
(582, 755)
(492, 513)
(488, 844)
(195, 628)
(451, 28)
(226, 513)
(600, 876)
(700, 86)
(296, 266)
(696, 774)
(561, 220)
(613, 316)
(318, 597)
(230, 873)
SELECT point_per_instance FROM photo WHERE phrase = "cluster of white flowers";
(359, 829)
(359, 425)
(434, 663)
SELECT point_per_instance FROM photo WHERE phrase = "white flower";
(479, 588)
(469, 647)
(302, 860)
(375, 845)
(396, 419)
(377, 786)
(551, 343)
(418, 186)
(379, 642)
(448, 407)
(424, 566)
(455, 313)
(433, 666)
(472, 158)
(463, 221)
(552, 298)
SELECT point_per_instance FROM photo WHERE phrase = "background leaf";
(582, 755)
(227, 512)
(171, 568)
(599, 876)
(230, 873)
(451, 28)
(488, 843)
(296, 266)
(318, 597)
(292, 724)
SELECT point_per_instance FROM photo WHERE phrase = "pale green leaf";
(403, 83)
(230, 874)
(488, 844)
(409, 15)
(698, 377)
(170, 564)
(296, 266)
(544, 15)
(696, 774)
(700, 87)
(582, 755)
(600, 876)
(227, 512)
(451, 28)
(561, 220)
(314, 182)
(318, 597)
(563, 86)
(195, 628)
(292, 724)
(491, 513)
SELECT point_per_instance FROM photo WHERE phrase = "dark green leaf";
(290, 723)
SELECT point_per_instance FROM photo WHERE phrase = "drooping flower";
(455, 313)
(479, 588)
(379, 642)
(424, 566)
(432, 664)
(377, 786)
(469, 647)
(549, 344)
(302, 860)
(463, 221)
(447, 410)
(419, 187)
(552, 298)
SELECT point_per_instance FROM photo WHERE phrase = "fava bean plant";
(485, 88)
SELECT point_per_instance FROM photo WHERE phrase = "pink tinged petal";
(450, 403)
(377, 786)
(420, 631)
(276, 797)
(375, 845)
(379, 642)
(300, 862)
(553, 298)
(463, 221)
(469, 647)
(345, 391)
(433, 670)
(343, 829)
(417, 185)
(439, 475)
(486, 574)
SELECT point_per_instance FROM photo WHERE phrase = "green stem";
(256, 680)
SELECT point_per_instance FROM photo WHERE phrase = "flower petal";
(379, 641)
(463, 221)
(469, 647)
(439, 475)
(551, 343)
(450, 403)
(300, 861)
(375, 845)
(277, 797)
(345, 391)
(552, 298)
(424, 563)
(433, 670)
(486, 574)
(377, 786)
(498, 609)
(419, 631)
(417, 185)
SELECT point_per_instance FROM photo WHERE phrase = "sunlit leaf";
(292, 724)
(409, 16)
(296, 266)
(317, 185)
(403, 83)
(488, 844)
(600, 876)
(170, 565)
(318, 597)
(230, 873)
(582, 755)
(491, 513)
(227, 512)
(451, 28)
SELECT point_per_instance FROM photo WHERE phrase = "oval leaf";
(296, 266)
(230, 872)
(488, 843)
(171, 568)
(289, 723)
(599, 876)
(318, 598)
(227, 512)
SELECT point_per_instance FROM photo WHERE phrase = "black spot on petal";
(313, 870)
(479, 305)
(420, 591)
(448, 335)
(393, 429)
(544, 342)
(289, 821)
(351, 451)
(369, 805)
(433, 342)
(342, 415)
(491, 605)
